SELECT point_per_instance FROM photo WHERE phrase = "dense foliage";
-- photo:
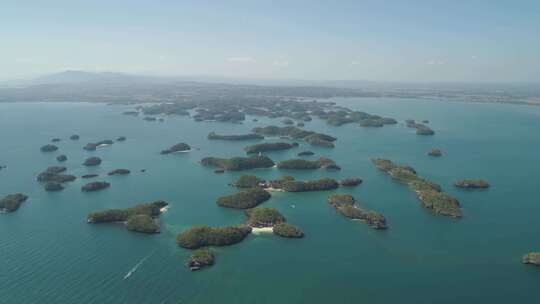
(287, 230)
(202, 236)
(142, 223)
(247, 181)
(264, 217)
(239, 163)
(250, 136)
(244, 199)
(264, 147)
(12, 202)
(180, 147)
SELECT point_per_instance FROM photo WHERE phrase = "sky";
(431, 40)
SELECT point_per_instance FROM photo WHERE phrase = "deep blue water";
(49, 254)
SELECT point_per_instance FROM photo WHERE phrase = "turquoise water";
(49, 254)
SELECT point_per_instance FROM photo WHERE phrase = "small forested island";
(131, 113)
(531, 258)
(56, 140)
(265, 147)
(94, 146)
(74, 137)
(119, 172)
(351, 182)
(141, 218)
(12, 202)
(48, 148)
(287, 230)
(53, 187)
(95, 186)
(180, 147)
(121, 138)
(238, 163)
(61, 158)
(306, 153)
(429, 193)
(286, 184)
(250, 136)
(55, 174)
(435, 153)
(303, 164)
(246, 199)
(472, 184)
(203, 236)
(421, 129)
(346, 205)
(92, 161)
(264, 217)
(90, 175)
(201, 258)
(313, 138)
(149, 118)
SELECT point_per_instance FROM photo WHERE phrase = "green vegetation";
(54, 174)
(119, 172)
(61, 158)
(265, 147)
(202, 236)
(303, 186)
(142, 223)
(305, 153)
(238, 163)
(181, 147)
(49, 148)
(93, 146)
(472, 184)
(345, 204)
(92, 161)
(531, 258)
(247, 181)
(53, 186)
(264, 217)
(317, 140)
(428, 192)
(351, 182)
(12, 202)
(244, 199)
(435, 153)
(138, 219)
(95, 186)
(201, 258)
(304, 164)
(250, 136)
(287, 230)
(313, 138)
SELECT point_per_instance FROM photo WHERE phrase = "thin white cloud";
(281, 63)
(241, 59)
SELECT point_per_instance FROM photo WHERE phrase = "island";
(89, 176)
(435, 153)
(472, 184)
(53, 187)
(180, 147)
(246, 199)
(54, 140)
(347, 206)
(429, 193)
(532, 258)
(74, 137)
(12, 202)
(95, 186)
(119, 172)
(250, 136)
(200, 258)
(92, 161)
(99, 144)
(265, 147)
(203, 236)
(55, 174)
(48, 148)
(313, 138)
(247, 181)
(306, 153)
(141, 218)
(121, 138)
(351, 182)
(286, 184)
(264, 217)
(61, 158)
(303, 164)
(238, 163)
(287, 231)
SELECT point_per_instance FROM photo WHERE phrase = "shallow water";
(49, 254)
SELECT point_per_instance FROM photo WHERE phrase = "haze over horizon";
(420, 41)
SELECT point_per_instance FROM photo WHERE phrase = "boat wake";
(132, 271)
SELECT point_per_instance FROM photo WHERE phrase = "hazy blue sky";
(431, 40)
